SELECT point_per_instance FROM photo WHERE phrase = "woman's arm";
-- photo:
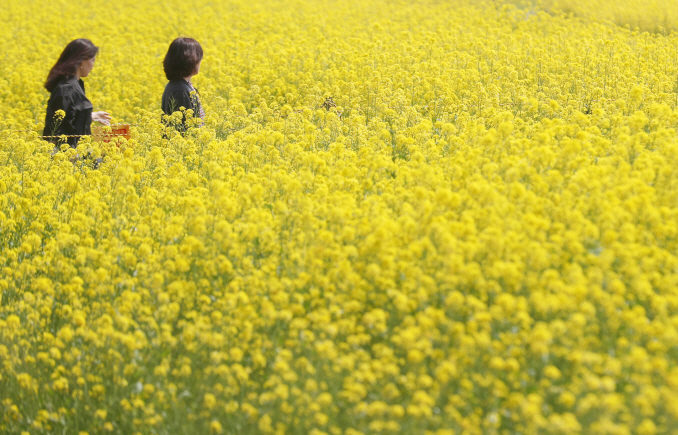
(173, 101)
(181, 99)
(66, 125)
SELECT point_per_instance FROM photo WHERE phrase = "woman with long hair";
(181, 63)
(67, 90)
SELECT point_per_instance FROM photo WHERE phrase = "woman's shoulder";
(68, 82)
(177, 85)
(177, 92)
(67, 85)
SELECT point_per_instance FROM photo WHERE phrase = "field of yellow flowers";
(646, 15)
(399, 218)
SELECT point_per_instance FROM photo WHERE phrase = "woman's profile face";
(86, 66)
(197, 68)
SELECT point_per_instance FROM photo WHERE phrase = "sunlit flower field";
(645, 15)
(400, 217)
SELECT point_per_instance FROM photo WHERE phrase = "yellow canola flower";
(216, 427)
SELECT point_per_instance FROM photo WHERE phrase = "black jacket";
(177, 95)
(69, 96)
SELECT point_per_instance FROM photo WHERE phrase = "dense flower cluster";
(645, 15)
(438, 218)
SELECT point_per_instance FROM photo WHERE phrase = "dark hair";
(73, 55)
(183, 55)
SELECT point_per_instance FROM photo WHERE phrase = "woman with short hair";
(181, 63)
(67, 90)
